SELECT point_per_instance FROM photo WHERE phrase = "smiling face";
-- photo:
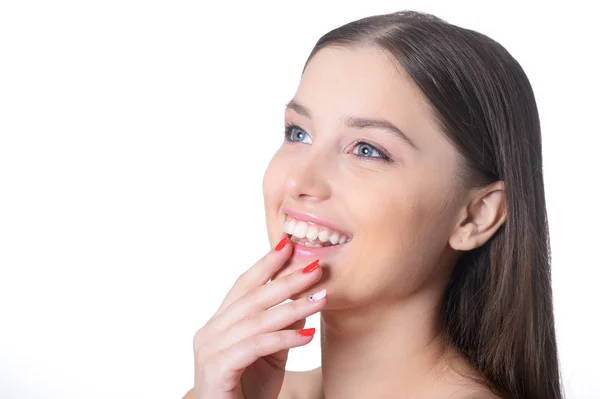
(396, 193)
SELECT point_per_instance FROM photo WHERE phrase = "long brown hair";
(498, 307)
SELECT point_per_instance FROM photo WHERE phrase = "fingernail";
(307, 332)
(313, 266)
(317, 295)
(282, 243)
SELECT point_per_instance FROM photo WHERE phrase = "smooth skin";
(242, 350)
(410, 219)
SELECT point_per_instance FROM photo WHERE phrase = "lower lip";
(300, 251)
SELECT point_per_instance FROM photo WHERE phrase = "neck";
(382, 347)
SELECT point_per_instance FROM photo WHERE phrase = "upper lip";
(310, 217)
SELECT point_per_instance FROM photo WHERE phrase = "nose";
(307, 179)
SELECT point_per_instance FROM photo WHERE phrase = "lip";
(309, 217)
(302, 252)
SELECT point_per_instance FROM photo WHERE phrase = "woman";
(406, 204)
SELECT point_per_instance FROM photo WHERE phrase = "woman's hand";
(242, 350)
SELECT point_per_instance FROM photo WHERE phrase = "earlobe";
(483, 216)
(459, 240)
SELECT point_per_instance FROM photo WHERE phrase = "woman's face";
(394, 194)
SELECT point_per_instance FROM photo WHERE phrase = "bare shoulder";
(301, 384)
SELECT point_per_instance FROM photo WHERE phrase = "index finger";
(259, 273)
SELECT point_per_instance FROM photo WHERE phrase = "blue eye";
(295, 134)
(367, 150)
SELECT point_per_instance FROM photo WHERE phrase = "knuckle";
(213, 368)
(289, 283)
(276, 338)
(279, 338)
(224, 305)
(241, 278)
(198, 338)
(254, 319)
(204, 345)
(202, 352)
(256, 342)
(260, 341)
(297, 306)
(203, 334)
(254, 298)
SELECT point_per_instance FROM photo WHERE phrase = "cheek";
(402, 238)
(393, 230)
(388, 212)
(404, 209)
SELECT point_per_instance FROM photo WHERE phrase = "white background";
(133, 140)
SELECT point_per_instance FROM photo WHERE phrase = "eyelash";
(385, 157)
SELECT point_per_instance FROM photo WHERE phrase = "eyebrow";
(359, 123)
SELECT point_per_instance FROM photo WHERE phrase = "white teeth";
(312, 233)
(300, 229)
(324, 236)
(289, 226)
(334, 238)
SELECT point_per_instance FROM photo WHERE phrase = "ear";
(481, 217)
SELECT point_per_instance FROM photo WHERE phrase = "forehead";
(369, 82)
(359, 80)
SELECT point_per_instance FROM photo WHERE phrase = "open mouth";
(312, 235)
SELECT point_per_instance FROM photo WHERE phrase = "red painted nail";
(282, 243)
(312, 267)
(307, 332)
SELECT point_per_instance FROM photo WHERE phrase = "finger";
(259, 273)
(282, 355)
(298, 325)
(273, 319)
(267, 296)
(291, 315)
(231, 362)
